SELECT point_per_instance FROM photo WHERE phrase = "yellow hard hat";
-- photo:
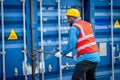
(73, 12)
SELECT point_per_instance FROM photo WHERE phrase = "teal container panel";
(50, 32)
(13, 19)
(100, 17)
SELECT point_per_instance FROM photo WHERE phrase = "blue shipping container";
(29, 25)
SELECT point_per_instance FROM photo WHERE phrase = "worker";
(81, 38)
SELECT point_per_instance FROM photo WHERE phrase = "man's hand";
(69, 54)
(58, 54)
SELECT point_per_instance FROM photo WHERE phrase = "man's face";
(70, 19)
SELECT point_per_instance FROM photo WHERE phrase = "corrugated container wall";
(29, 25)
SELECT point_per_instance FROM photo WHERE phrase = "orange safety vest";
(86, 41)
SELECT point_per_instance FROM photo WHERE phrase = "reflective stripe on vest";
(85, 37)
(86, 45)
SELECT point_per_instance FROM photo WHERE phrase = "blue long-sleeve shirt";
(73, 34)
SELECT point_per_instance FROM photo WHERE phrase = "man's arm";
(72, 40)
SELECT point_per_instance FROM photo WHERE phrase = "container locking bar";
(51, 53)
(3, 40)
(24, 41)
